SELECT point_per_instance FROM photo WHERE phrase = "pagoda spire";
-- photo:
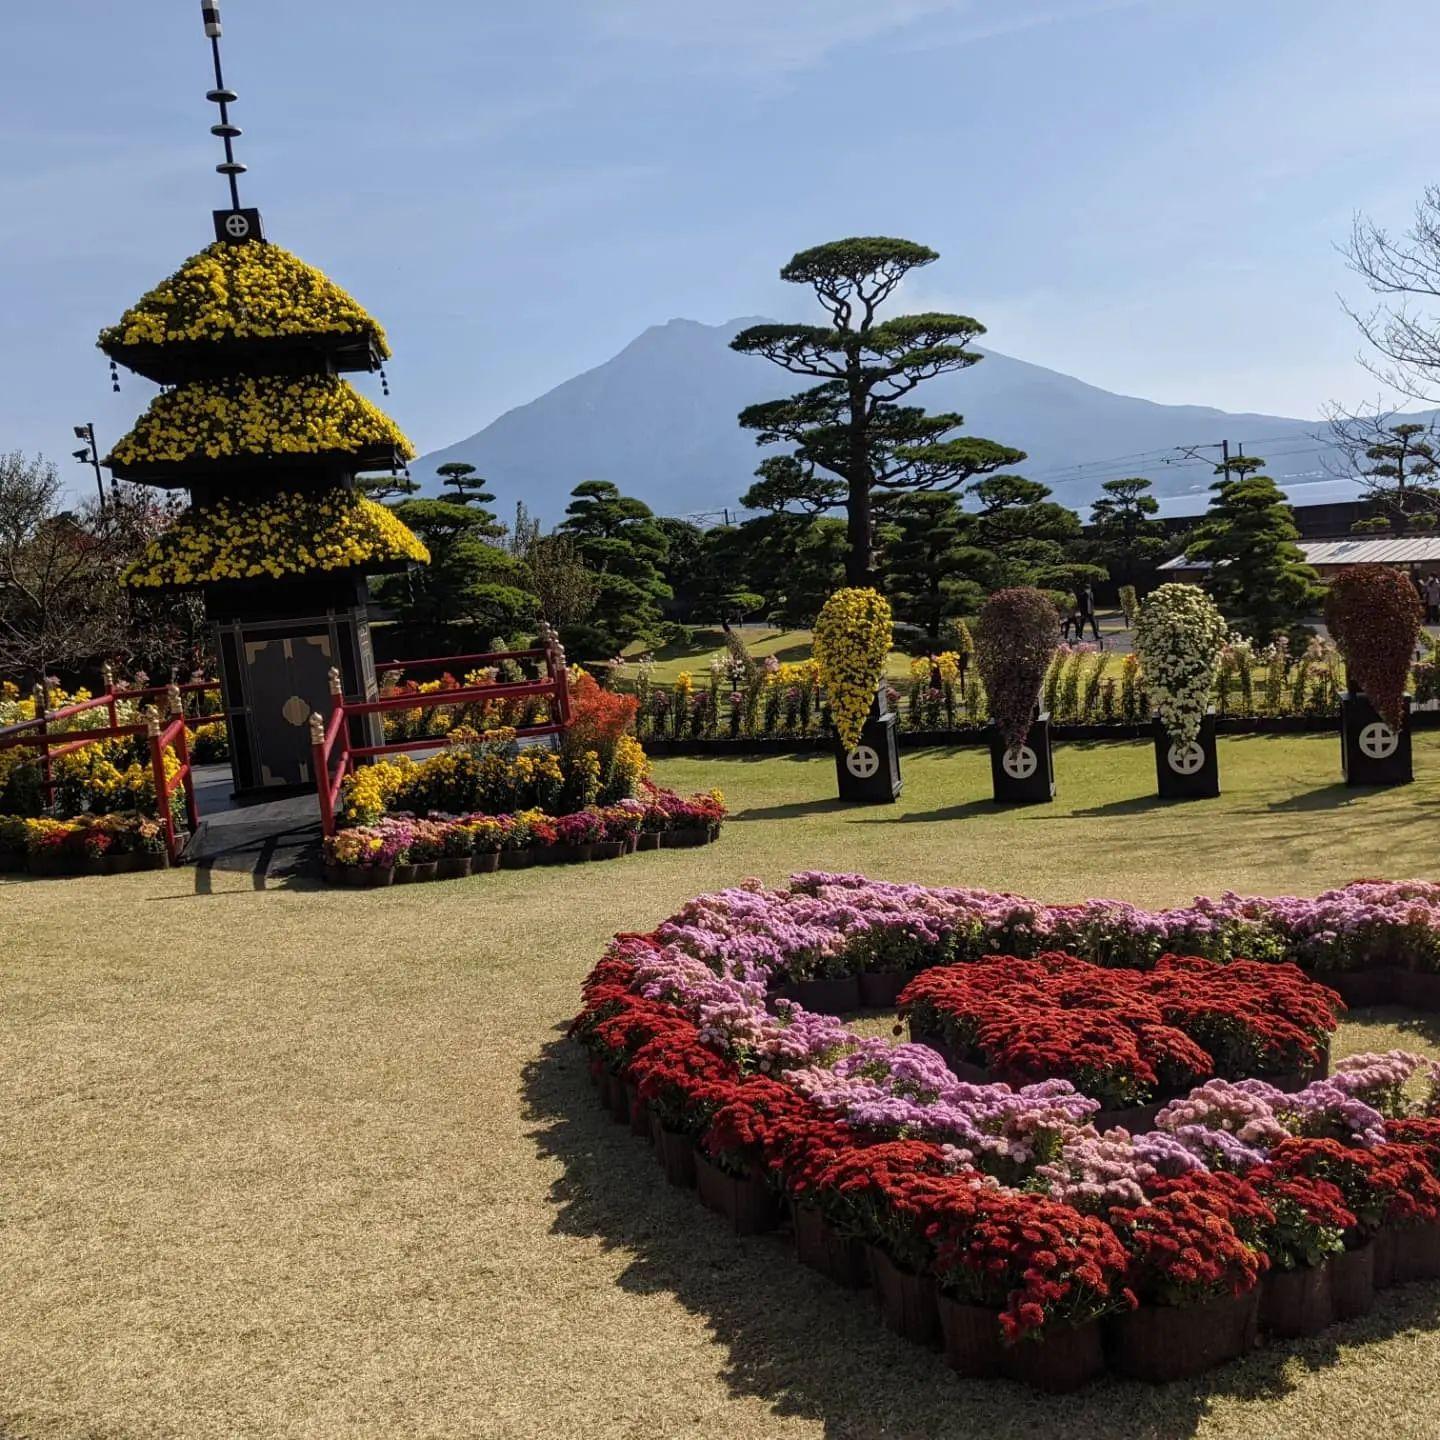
(237, 223)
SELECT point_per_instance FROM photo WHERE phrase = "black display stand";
(869, 773)
(277, 641)
(1025, 776)
(1371, 752)
(1187, 772)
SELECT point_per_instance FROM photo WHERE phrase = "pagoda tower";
(257, 422)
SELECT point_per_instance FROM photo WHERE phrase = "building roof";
(1297, 490)
(1389, 550)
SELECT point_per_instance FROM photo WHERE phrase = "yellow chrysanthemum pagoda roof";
(255, 295)
(276, 537)
(188, 430)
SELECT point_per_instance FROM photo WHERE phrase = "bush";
(1018, 632)
(1374, 616)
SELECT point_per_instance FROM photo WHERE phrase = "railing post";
(187, 777)
(107, 674)
(157, 771)
(42, 698)
(321, 765)
(562, 679)
(337, 702)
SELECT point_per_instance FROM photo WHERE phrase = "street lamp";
(90, 455)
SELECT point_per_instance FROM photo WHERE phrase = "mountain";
(659, 420)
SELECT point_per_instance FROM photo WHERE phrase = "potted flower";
(1374, 616)
(399, 837)
(47, 846)
(1018, 633)
(487, 837)
(125, 853)
(544, 837)
(515, 851)
(654, 821)
(615, 830)
(576, 835)
(1297, 1295)
(457, 850)
(852, 643)
(1195, 1276)
(150, 843)
(349, 854)
(426, 848)
(622, 824)
(1179, 637)
(1023, 1283)
(96, 845)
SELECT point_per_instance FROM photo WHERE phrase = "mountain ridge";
(659, 419)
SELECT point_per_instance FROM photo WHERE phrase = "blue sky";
(1144, 193)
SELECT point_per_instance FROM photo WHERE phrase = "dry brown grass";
(295, 1162)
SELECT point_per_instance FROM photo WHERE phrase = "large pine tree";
(852, 426)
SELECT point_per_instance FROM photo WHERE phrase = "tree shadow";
(959, 811)
(792, 809)
(1132, 805)
(1425, 1028)
(809, 1349)
(1325, 797)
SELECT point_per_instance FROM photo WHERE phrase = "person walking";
(1085, 611)
(1432, 599)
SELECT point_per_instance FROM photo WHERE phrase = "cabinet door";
(286, 679)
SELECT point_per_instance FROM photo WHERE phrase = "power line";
(1160, 455)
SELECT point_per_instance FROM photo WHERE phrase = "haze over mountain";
(659, 419)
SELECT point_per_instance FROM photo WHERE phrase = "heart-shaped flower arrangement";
(1000, 1215)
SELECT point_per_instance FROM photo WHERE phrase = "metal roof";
(1297, 491)
(1407, 550)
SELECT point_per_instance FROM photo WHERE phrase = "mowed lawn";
(289, 1161)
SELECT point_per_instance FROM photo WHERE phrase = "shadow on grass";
(961, 811)
(1131, 805)
(1425, 1028)
(809, 1349)
(1324, 797)
(791, 810)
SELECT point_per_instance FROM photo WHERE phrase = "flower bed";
(1128, 1038)
(404, 848)
(999, 1218)
(486, 802)
(85, 845)
(824, 926)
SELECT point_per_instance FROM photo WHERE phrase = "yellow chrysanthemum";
(852, 639)
(261, 417)
(285, 534)
(254, 291)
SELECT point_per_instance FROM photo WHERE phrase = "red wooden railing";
(160, 736)
(335, 756)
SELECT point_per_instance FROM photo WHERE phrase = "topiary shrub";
(1374, 617)
(1017, 635)
(1179, 635)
